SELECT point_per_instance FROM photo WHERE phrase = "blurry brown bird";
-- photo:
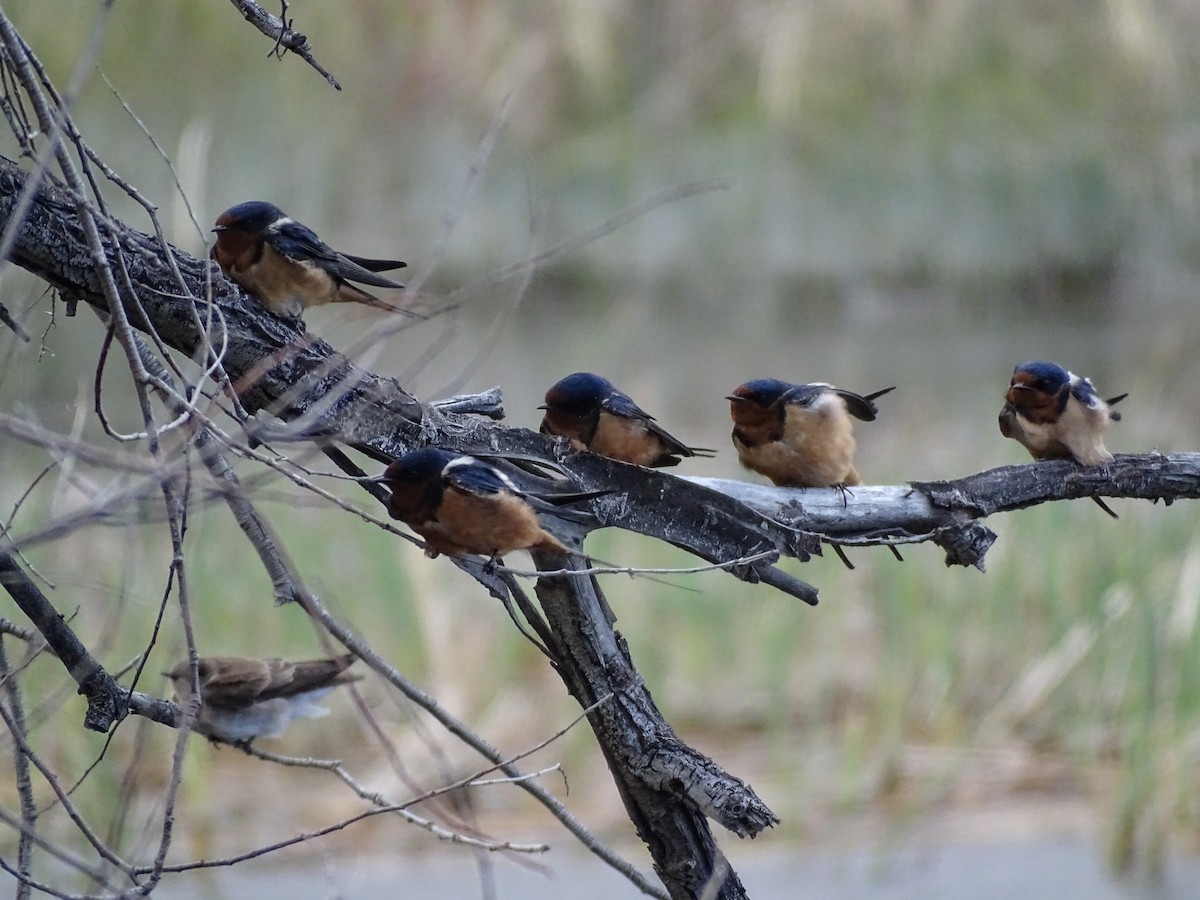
(242, 699)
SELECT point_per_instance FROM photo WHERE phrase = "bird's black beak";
(733, 397)
(543, 406)
(219, 228)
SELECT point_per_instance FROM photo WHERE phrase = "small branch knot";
(965, 544)
(107, 702)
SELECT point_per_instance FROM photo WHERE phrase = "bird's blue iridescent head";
(578, 394)
(251, 217)
(1041, 375)
(761, 391)
(419, 466)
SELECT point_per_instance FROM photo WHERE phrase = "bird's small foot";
(845, 492)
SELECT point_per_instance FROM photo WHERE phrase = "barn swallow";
(1056, 414)
(287, 267)
(799, 435)
(593, 415)
(461, 505)
(243, 699)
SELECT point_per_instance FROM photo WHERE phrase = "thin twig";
(352, 642)
(51, 779)
(21, 771)
(25, 634)
(7, 319)
(400, 809)
(96, 874)
(636, 570)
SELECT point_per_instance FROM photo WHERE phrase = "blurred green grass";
(921, 196)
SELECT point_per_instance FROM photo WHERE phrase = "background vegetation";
(922, 194)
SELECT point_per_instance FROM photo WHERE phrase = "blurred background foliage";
(921, 193)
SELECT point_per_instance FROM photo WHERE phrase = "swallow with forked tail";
(593, 415)
(799, 435)
(1056, 414)
(287, 268)
(461, 505)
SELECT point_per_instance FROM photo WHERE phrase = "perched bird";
(799, 435)
(243, 699)
(461, 505)
(1056, 414)
(287, 267)
(593, 415)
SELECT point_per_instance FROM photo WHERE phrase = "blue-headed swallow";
(244, 699)
(287, 267)
(1056, 414)
(461, 505)
(799, 435)
(593, 415)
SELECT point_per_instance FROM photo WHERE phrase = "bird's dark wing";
(233, 682)
(376, 265)
(554, 503)
(300, 243)
(289, 679)
(477, 479)
(862, 407)
(804, 394)
(620, 404)
(348, 270)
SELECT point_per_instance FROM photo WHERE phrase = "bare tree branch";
(7, 319)
(360, 647)
(945, 512)
(21, 771)
(108, 702)
(281, 33)
(667, 787)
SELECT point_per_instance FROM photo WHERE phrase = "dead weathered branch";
(108, 702)
(946, 512)
(667, 787)
(276, 367)
(281, 32)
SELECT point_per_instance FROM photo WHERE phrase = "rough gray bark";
(668, 788)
